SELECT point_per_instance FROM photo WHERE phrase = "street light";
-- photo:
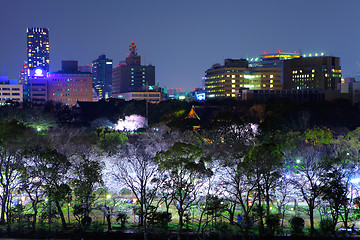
(68, 205)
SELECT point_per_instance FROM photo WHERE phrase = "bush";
(97, 227)
(162, 218)
(297, 225)
(272, 224)
(122, 217)
(326, 226)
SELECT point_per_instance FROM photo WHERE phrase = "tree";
(110, 141)
(265, 161)
(53, 168)
(186, 172)
(86, 169)
(32, 185)
(335, 192)
(308, 170)
(135, 169)
(15, 138)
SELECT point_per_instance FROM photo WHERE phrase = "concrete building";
(226, 80)
(69, 85)
(319, 72)
(131, 76)
(9, 90)
(150, 96)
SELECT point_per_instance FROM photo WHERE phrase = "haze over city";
(180, 38)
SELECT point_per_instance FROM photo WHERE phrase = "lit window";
(271, 86)
(271, 81)
(233, 76)
(233, 86)
(232, 81)
(271, 76)
(233, 90)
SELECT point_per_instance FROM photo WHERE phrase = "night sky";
(182, 38)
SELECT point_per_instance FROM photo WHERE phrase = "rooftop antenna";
(132, 49)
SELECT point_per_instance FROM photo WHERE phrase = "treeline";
(280, 114)
(264, 178)
(232, 175)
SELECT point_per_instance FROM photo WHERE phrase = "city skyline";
(182, 39)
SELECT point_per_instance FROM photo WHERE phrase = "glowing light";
(200, 96)
(355, 180)
(131, 123)
(39, 73)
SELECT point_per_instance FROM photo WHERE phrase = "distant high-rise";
(131, 76)
(38, 48)
(102, 76)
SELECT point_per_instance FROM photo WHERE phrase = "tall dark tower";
(102, 76)
(38, 48)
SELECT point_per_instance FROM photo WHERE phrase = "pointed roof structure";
(192, 113)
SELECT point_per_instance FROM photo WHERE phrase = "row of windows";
(16, 99)
(14, 94)
(13, 89)
(145, 95)
(69, 80)
(69, 90)
(65, 95)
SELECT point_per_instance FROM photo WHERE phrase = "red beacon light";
(265, 52)
(279, 51)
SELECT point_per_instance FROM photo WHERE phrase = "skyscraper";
(38, 48)
(102, 76)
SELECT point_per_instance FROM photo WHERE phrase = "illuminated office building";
(312, 72)
(226, 80)
(66, 86)
(102, 76)
(38, 48)
(69, 85)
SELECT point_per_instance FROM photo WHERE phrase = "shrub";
(272, 224)
(326, 226)
(297, 225)
(122, 217)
